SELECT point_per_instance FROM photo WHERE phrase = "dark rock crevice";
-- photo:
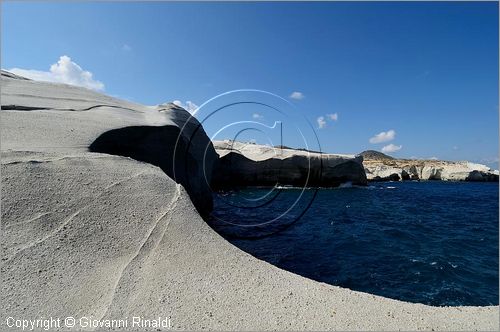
(37, 108)
(23, 108)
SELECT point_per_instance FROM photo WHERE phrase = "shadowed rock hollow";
(176, 149)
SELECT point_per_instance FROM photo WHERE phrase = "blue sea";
(429, 242)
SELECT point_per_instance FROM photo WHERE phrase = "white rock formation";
(63, 119)
(407, 169)
(87, 234)
(260, 165)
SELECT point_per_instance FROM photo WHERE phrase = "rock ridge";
(244, 164)
(427, 170)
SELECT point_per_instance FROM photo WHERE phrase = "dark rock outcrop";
(375, 155)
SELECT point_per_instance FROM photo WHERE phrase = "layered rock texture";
(107, 233)
(247, 164)
(61, 120)
(380, 167)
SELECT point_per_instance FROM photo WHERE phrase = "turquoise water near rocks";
(428, 242)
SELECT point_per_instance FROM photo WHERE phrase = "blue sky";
(425, 75)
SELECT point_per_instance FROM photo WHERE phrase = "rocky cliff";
(246, 164)
(57, 119)
(103, 236)
(380, 167)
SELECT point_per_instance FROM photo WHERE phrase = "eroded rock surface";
(62, 119)
(245, 164)
(88, 234)
(380, 167)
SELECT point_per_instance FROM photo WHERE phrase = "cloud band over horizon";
(64, 71)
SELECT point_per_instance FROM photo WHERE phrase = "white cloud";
(188, 106)
(126, 48)
(297, 95)
(391, 148)
(433, 158)
(257, 116)
(321, 122)
(64, 71)
(384, 136)
(333, 117)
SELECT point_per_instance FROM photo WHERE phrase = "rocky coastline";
(241, 164)
(246, 164)
(101, 218)
(381, 167)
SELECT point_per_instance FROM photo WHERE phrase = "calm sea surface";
(429, 242)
